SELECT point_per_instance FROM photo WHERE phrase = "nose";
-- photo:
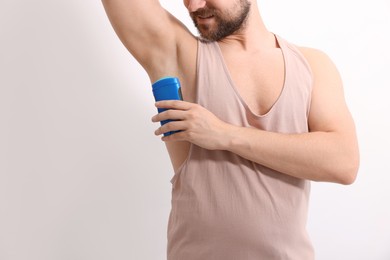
(193, 5)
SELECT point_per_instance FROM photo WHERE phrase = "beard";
(224, 24)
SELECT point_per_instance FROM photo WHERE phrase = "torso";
(258, 77)
(259, 83)
(225, 206)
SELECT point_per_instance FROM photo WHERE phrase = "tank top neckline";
(233, 86)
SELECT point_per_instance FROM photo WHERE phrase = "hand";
(197, 124)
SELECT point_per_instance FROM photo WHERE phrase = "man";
(261, 117)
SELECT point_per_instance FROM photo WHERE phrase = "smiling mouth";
(205, 16)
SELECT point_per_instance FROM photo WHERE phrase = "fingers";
(178, 111)
(171, 126)
(169, 114)
(174, 104)
(179, 136)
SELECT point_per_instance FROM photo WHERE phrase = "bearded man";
(260, 118)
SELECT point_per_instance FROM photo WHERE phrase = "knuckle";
(190, 135)
(190, 125)
(161, 129)
(165, 114)
(170, 126)
(167, 127)
(170, 113)
(192, 115)
(172, 103)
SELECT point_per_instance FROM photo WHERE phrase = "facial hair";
(225, 25)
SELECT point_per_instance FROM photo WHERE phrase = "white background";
(83, 177)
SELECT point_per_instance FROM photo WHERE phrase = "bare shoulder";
(325, 72)
(318, 59)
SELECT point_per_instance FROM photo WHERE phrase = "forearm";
(318, 156)
(330, 155)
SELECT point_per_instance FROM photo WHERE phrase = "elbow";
(347, 173)
(349, 176)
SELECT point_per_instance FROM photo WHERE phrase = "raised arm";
(149, 32)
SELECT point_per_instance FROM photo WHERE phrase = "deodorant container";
(167, 88)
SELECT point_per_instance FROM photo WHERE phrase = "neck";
(253, 36)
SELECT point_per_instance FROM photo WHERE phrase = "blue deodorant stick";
(167, 88)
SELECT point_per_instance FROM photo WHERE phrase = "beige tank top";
(225, 207)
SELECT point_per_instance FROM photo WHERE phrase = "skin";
(329, 152)
(223, 23)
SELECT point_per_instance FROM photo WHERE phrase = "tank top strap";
(292, 52)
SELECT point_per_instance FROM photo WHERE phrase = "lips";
(205, 16)
(204, 19)
(204, 13)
